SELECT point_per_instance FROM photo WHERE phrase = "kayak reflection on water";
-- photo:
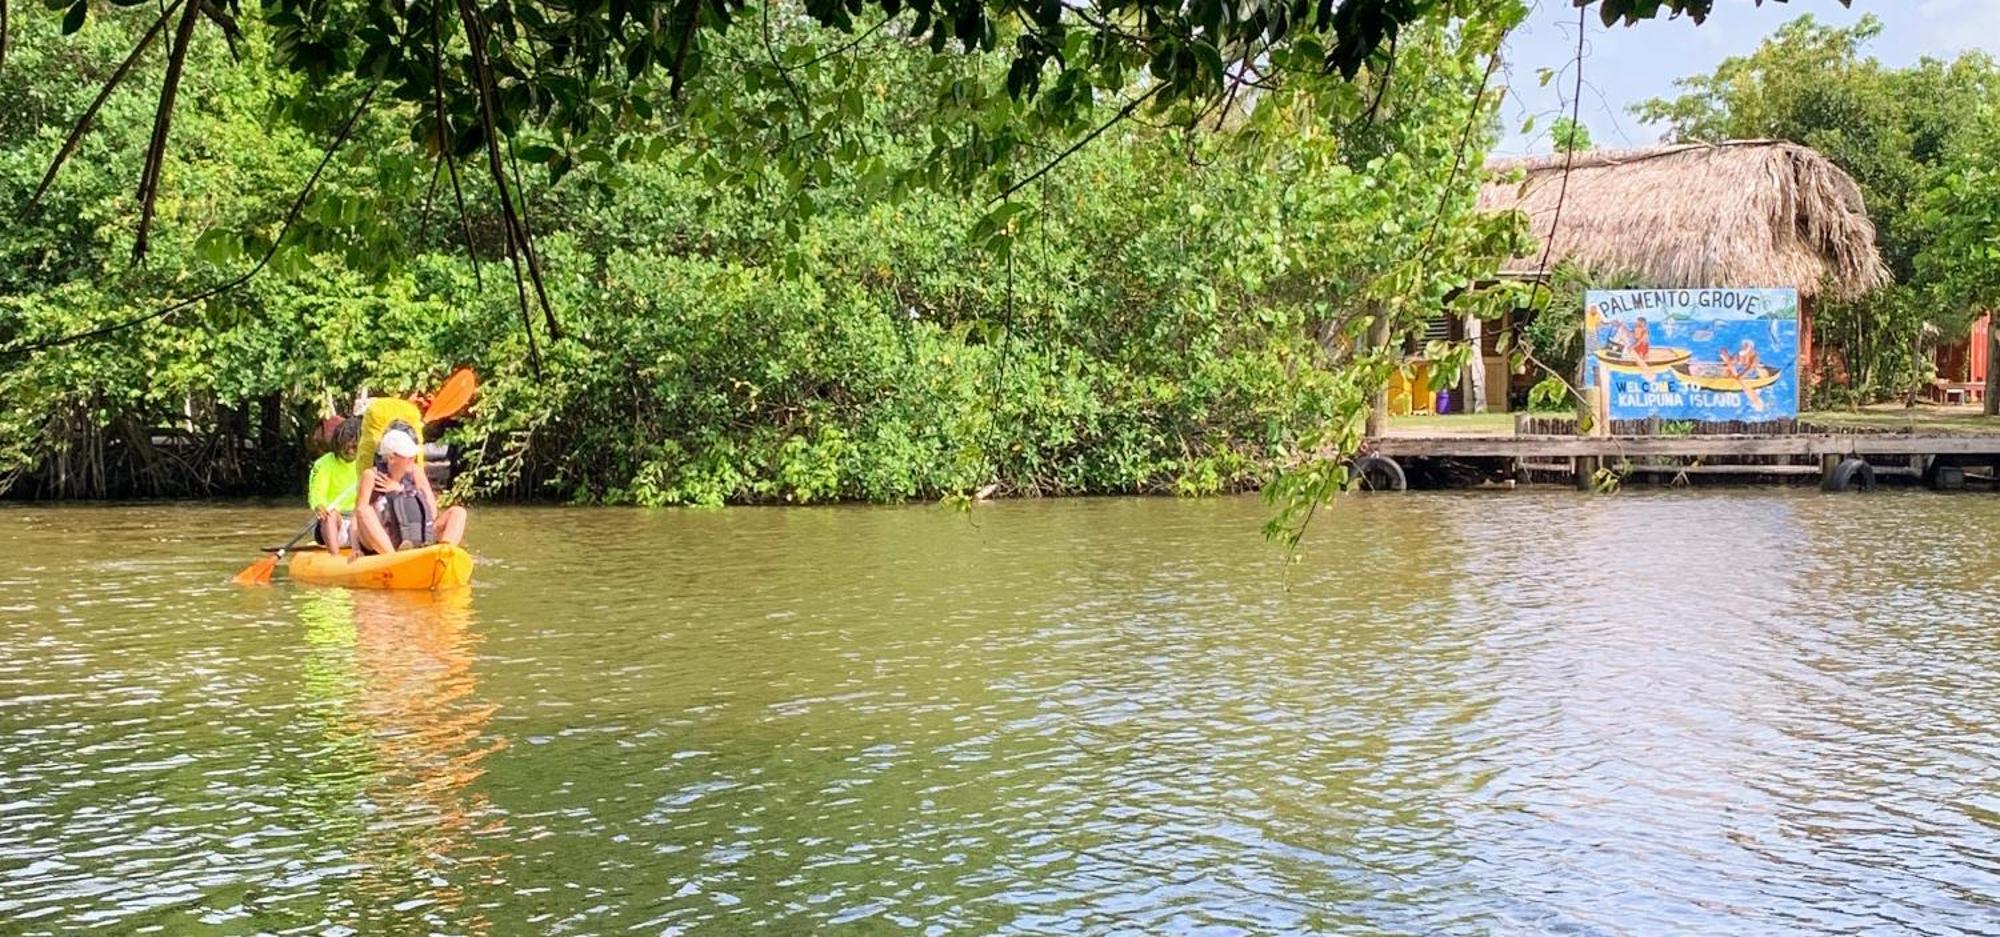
(392, 685)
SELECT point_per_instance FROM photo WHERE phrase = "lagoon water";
(1714, 712)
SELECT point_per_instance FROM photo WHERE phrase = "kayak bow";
(436, 567)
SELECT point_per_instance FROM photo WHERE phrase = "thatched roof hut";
(1743, 213)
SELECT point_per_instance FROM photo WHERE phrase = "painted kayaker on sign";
(1745, 367)
(1635, 343)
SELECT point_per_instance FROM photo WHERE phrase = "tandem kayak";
(439, 567)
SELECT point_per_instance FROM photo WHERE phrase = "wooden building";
(1744, 213)
(1961, 366)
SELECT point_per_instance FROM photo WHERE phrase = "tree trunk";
(1992, 373)
(1475, 370)
(1378, 406)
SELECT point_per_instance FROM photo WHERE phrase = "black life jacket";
(405, 515)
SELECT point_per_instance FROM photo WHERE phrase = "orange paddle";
(452, 397)
(256, 574)
(259, 573)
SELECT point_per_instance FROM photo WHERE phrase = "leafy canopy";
(576, 76)
(1157, 315)
(583, 72)
(756, 319)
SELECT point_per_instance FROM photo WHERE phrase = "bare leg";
(451, 525)
(329, 530)
(369, 534)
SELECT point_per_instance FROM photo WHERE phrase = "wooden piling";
(1586, 471)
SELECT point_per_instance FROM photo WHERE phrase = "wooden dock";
(1815, 446)
(1842, 458)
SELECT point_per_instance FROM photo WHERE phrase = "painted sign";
(1704, 354)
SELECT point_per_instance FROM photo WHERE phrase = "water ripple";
(1656, 713)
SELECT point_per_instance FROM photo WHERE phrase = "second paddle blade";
(256, 574)
(452, 397)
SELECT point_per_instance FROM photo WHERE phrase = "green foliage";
(1387, 233)
(1905, 135)
(570, 86)
(1569, 135)
(1959, 218)
(1551, 340)
(1610, 478)
(1153, 317)
(578, 73)
(803, 258)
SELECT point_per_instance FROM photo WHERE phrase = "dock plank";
(1813, 445)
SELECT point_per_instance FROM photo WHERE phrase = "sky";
(1623, 66)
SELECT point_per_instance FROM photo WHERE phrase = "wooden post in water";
(1583, 469)
(1586, 471)
(1524, 423)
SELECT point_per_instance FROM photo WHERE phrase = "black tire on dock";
(1851, 475)
(1379, 473)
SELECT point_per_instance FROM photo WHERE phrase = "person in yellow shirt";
(381, 415)
(332, 489)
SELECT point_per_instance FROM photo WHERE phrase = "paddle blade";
(258, 573)
(452, 397)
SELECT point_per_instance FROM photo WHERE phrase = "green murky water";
(1674, 713)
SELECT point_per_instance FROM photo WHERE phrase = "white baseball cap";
(397, 444)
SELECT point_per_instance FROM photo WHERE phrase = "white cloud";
(1951, 26)
(1625, 66)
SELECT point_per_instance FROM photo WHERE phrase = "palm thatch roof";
(1744, 213)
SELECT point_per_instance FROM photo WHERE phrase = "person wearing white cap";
(395, 508)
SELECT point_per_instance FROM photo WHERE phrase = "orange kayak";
(439, 567)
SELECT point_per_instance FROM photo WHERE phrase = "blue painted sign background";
(1704, 354)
